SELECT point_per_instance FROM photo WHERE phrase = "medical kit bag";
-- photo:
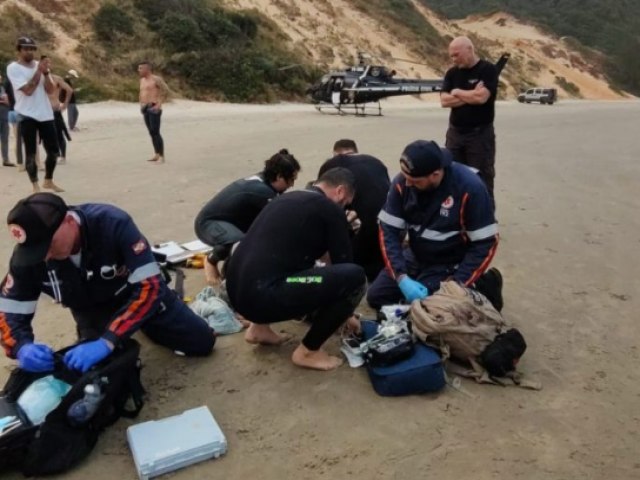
(42, 436)
(421, 371)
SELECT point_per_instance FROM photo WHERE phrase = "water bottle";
(81, 411)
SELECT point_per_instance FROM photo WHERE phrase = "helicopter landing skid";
(357, 109)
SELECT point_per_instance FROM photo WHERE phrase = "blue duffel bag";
(422, 372)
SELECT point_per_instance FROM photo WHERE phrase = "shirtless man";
(153, 93)
(58, 107)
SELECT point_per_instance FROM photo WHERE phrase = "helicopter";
(349, 91)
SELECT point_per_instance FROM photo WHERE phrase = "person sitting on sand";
(272, 275)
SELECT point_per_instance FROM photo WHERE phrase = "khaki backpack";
(461, 323)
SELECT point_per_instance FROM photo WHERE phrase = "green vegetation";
(204, 50)
(110, 23)
(608, 26)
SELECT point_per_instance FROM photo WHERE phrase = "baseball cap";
(422, 157)
(26, 42)
(73, 73)
(32, 223)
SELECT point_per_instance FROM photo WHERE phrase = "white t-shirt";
(36, 105)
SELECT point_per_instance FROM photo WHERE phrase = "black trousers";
(175, 326)
(476, 148)
(29, 130)
(220, 235)
(152, 121)
(327, 296)
(60, 129)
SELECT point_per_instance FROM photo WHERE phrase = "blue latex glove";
(86, 355)
(412, 289)
(35, 357)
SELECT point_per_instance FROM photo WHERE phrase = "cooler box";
(423, 372)
(162, 446)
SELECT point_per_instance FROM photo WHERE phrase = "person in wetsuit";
(273, 275)
(372, 185)
(225, 218)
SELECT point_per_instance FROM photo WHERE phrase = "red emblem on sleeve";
(17, 233)
(448, 202)
(139, 247)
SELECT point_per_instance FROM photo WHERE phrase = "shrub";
(111, 23)
(180, 33)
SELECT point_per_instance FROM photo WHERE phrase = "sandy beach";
(567, 204)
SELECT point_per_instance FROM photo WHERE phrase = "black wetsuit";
(225, 218)
(272, 275)
(372, 186)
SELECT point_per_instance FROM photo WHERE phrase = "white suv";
(542, 95)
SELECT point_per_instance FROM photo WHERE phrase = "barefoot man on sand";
(31, 81)
(153, 93)
(272, 276)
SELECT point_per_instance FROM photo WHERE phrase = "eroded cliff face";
(331, 33)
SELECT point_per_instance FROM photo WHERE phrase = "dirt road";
(567, 196)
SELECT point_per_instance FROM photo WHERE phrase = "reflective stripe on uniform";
(483, 233)
(144, 272)
(16, 306)
(389, 219)
(438, 236)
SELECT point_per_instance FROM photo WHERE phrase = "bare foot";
(212, 274)
(245, 323)
(263, 335)
(353, 324)
(21, 168)
(48, 184)
(316, 360)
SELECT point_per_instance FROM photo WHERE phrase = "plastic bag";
(215, 312)
(41, 397)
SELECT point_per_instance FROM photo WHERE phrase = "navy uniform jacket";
(451, 225)
(117, 270)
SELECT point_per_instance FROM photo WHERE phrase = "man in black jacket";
(372, 185)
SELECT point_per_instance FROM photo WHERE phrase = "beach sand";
(567, 203)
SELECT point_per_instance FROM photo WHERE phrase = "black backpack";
(55, 445)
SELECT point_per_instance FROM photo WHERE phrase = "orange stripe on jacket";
(483, 266)
(138, 309)
(463, 230)
(385, 257)
(6, 339)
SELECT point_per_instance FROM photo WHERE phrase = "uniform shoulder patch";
(139, 247)
(448, 202)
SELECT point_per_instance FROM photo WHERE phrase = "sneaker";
(8, 164)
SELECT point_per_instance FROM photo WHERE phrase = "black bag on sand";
(501, 356)
(56, 445)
